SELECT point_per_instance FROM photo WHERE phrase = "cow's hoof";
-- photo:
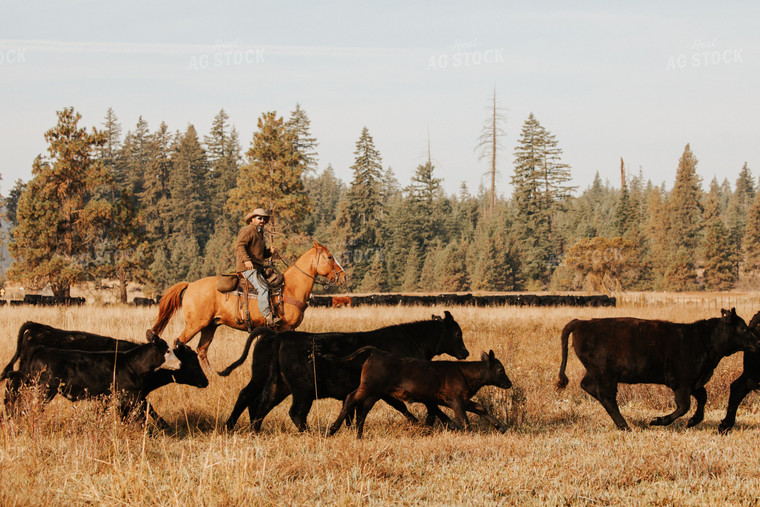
(657, 421)
(693, 422)
(724, 428)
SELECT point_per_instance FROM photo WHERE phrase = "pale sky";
(637, 81)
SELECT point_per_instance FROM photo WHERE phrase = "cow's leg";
(459, 412)
(207, 335)
(348, 404)
(401, 407)
(299, 409)
(740, 388)
(361, 414)
(477, 408)
(606, 394)
(683, 403)
(434, 411)
(260, 408)
(700, 394)
(246, 396)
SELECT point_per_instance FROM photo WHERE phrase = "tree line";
(156, 207)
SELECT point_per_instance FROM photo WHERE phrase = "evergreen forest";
(153, 206)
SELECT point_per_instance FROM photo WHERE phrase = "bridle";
(332, 278)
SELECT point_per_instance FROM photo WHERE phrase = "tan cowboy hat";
(258, 212)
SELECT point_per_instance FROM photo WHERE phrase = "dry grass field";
(561, 448)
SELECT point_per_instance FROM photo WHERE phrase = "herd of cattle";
(377, 300)
(392, 364)
(461, 299)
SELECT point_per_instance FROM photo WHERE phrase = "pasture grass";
(561, 447)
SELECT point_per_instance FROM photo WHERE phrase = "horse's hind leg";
(207, 335)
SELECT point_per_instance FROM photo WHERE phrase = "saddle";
(236, 283)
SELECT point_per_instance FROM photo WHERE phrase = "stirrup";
(272, 321)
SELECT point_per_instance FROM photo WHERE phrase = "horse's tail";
(355, 360)
(252, 336)
(569, 328)
(9, 367)
(170, 302)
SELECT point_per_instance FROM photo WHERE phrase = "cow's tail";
(355, 360)
(255, 333)
(9, 367)
(563, 380)
(170, 302)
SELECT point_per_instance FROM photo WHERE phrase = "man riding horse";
(251, 253)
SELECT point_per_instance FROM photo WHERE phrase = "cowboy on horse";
(251, 253)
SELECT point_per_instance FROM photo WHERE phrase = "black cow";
(283, 364)
(637, 351)
(32, 334)
(141, 301)
(747, 382)
(80, 374)
(450, 383)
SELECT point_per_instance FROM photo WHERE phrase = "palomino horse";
(205, 308)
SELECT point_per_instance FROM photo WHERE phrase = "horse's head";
(328, 266)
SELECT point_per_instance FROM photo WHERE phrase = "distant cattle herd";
(378, 299)
(392, 363)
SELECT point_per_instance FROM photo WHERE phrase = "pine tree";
(489, 144)
(219, 256)
(154, 199)
(685, 213)
(425, 198)
(374, 278)
(656, 232)
(134, 159)
(451, 269)
(721, 260)
(124, 247)
(540, 184)
(464, 216)
(625, 213)
(110, 152)
(272, 178)
(412, 268)
(224, 159)
(10, 203)
(188, 203)
(305, 144)
(324, 192)
(684, 206)
(751, 240)
(681, 274)
(360, 217)
(61, 216)
(739, 203)
(492, 259)
(428, 279)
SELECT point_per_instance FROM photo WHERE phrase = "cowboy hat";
(258, 212)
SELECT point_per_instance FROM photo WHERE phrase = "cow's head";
(495, 373)
(170, 361)
(190, 371)
(451, 341)
(737, 334)
(754, 323)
